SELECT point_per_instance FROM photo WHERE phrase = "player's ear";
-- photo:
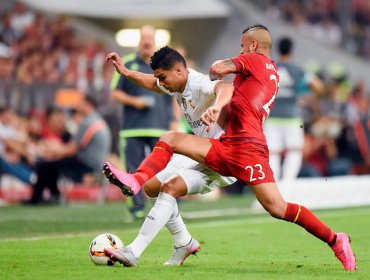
(178, 69)
(254, 45)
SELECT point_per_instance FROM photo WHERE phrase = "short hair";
(256, 25)
(165, 58)
(285, 46)
(52, 109)
(91, 100)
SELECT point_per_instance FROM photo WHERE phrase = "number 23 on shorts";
(255, 172)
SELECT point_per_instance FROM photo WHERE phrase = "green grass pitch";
(52, 243)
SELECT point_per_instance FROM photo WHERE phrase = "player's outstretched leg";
(125, 181)
(181, 253)
(339, 242)
(269, 196)
(342, 250)
(123, 255)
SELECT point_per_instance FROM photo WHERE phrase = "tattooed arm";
(221, 68)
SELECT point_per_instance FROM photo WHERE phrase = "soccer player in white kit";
(194, 93)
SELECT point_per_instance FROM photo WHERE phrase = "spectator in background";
(21, 17)
(324, 20)
(13, 139)
(55, 128)
(110, 110)
(284, 128)
(85, 153)
(6, 73)
(358, 135)
(8, 34)
(328, 31)
(361, 131)
(358, 103)
(328, 129)
(146, 114)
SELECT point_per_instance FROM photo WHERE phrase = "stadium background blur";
(51, 53)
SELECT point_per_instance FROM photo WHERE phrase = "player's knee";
(167, 187)
(150, 190)
(170, 138)
(173, 189)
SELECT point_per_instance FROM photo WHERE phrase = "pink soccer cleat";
(342, 250)
(125, 181)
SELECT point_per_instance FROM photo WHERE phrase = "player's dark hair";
(165, 58)
(285, 46)
(257, 26)
(52, 109)
(91, 100)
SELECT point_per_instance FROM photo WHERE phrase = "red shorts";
(245, 160)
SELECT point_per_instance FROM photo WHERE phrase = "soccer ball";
(99, 243)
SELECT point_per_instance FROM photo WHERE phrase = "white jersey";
(197, 97)
(194, 101)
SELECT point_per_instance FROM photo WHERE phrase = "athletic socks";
(157, 217)
(300, 215)
(154, 163)
(176, 226)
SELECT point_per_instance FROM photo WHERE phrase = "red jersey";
(255, 87)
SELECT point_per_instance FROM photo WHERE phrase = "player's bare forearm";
(221, 68)
(224, 92)
(147, 81)
(176, 111)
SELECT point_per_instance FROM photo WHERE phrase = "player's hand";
(141, 104)
(117, 63)
(210, 116)
(214, 73)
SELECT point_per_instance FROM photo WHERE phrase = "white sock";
(157, 217)
(292, 164)
(177, 228)
(275, 162)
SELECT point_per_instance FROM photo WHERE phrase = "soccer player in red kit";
(242, 151)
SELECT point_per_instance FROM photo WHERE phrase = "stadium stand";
(42, 54)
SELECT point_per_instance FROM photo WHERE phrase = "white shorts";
(198, 177)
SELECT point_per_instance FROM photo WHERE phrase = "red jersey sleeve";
(249, 63)
(244, 62)
(238, 64)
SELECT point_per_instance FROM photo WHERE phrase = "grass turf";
(52, 243)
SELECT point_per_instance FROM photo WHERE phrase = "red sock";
(154, 163)
(300, 215)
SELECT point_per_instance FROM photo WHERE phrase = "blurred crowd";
(337, 23)
(39, 55)
(37, 49)
(337, 129)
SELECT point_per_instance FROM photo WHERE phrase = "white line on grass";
(236, 221)
(220, 213)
